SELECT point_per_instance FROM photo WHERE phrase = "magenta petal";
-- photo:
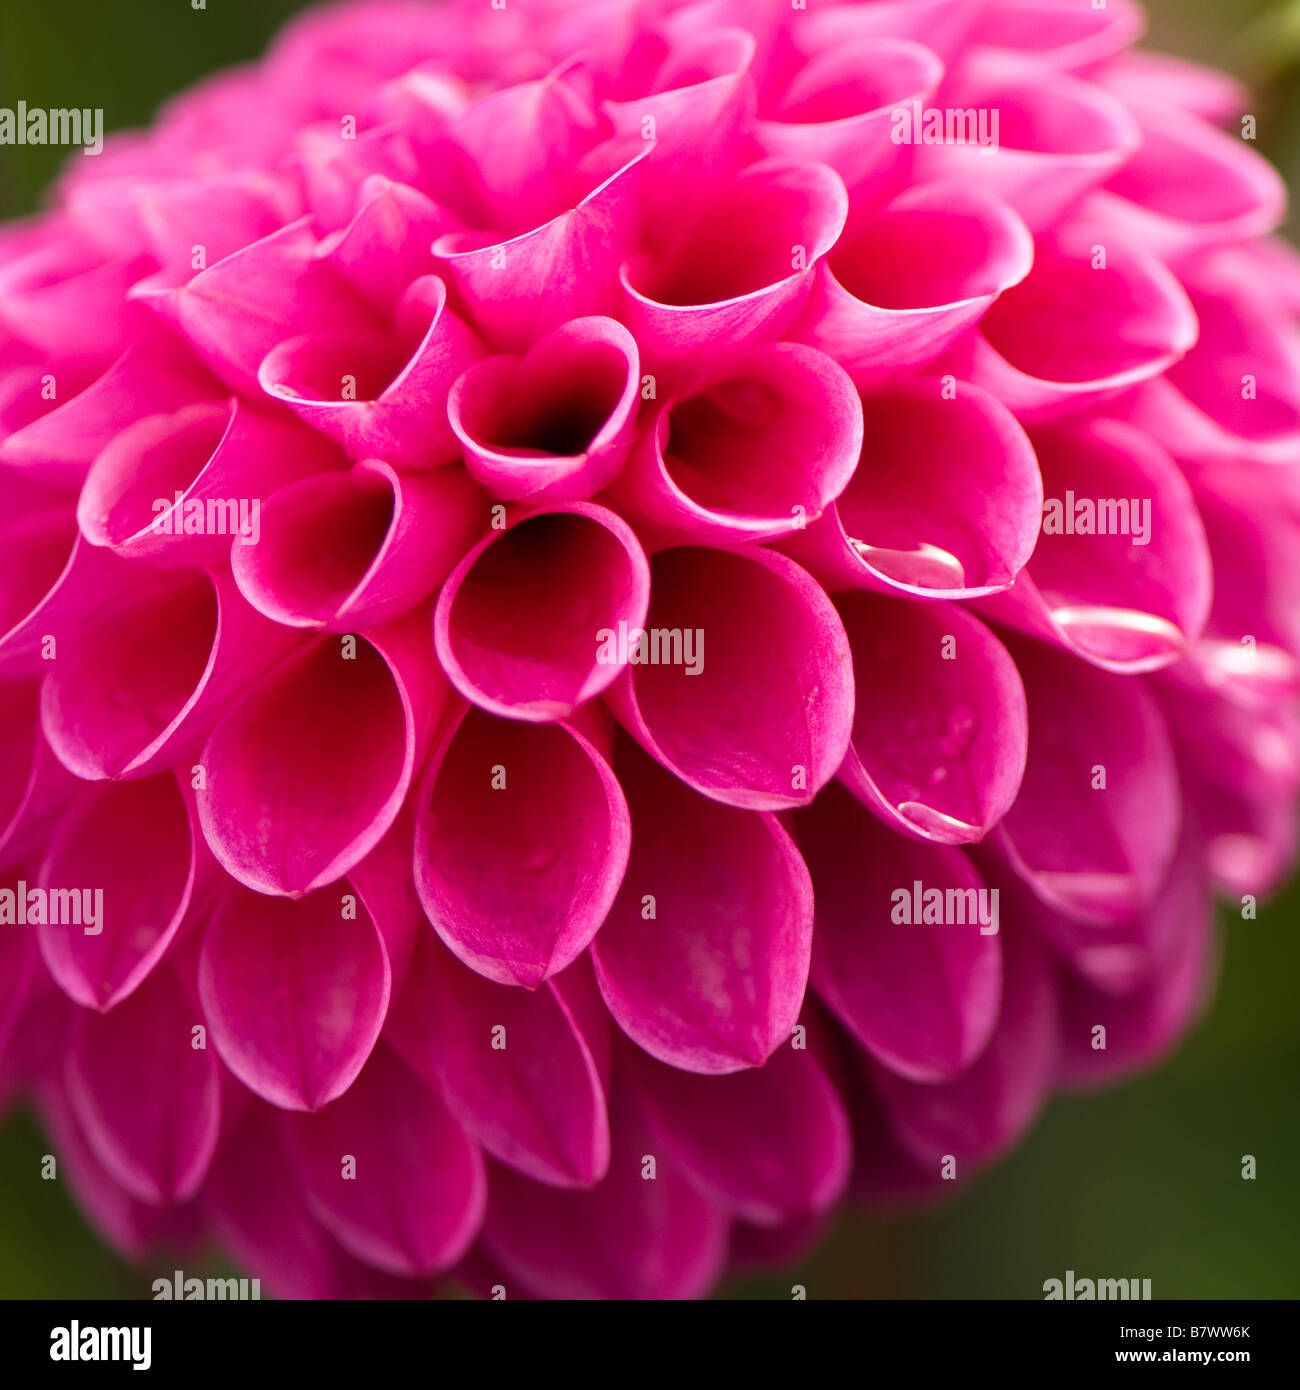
(150, 377)
(522, 625)
(761, 444)
(1142, 1025)
(137, 1229)
(378, 394)
(759, 715)
(521, 843)
(35, 787)
(943, 25)
(1096, 822)
(147, 1098)
(133, 842)
(1129, 600)
(1129, 321)
(512, 1064)
(984, 1111)
(352, 551)
(839, 110)
(1190, 185)
(294, 798)
(1057, 138)
(119, 703)
(566, 268)
(234, 312)
(769, 1143)
(1061, 34)
(630, 1237)
(296, 992)
(555, 424)
(920, 995)
(180, 489)
(940, 729)
(946, 502)
(740, 269)
(704, 958)
(412, 1199)
(257, 1205)
(904, 284)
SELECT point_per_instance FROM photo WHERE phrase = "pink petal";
(1096, 822)
(946, 502)
(1122, 601)
(769, 1143)
(276, 813)
(760, 444)
(704, 958)
(761, 717)
(922, 997)
(416, 1194)
(355, 550)
(518, 625)
(521, 843)
(134, 843)
(512, 1064)
(940, 729)
(905, 283)
(146, 1097)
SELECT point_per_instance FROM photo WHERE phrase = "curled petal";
(148, 1100)
(946, 502)
(180, 489)
(566, 268)
(1122, 573)
(940, 729)
(704, 958)
(942, 25)
(352, 551)
(521, 842)
(768, 1143)
(919, 991)
(904, 284)
(1060, 35)
(1189, 186)
(758, 716)
(981, 1113)
(119, 703)
(234, 312)
(627, 1238)
(1129, 321)
(1096, 822)
(839, 110)
(512, 1063)
(556, 423)
(527, 624)
(127, 852)
(35, 787)
(375, 394)
(306, 776)
(741, 268)
(414, 1199)
(1056, 138)
(756, 448)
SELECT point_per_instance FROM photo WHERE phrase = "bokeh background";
(1139, 1181)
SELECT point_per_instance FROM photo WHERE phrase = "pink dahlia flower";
(625, 620)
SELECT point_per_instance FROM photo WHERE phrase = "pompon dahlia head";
(626, 620)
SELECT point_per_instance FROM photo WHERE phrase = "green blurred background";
(1144, 1180)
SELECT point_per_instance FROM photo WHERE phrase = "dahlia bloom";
(626, 620)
